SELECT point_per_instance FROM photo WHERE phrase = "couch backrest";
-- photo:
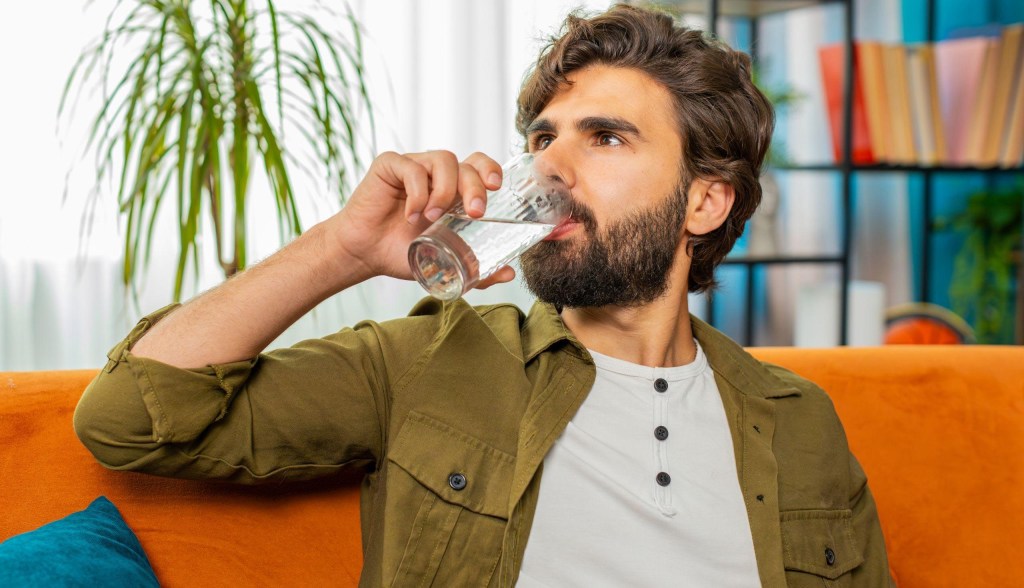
(939, 431)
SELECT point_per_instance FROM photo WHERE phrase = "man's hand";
(399, 198)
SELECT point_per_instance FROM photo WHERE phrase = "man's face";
(612, 137)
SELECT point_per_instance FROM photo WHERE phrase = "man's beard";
(626, 264)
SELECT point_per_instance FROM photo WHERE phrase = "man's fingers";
(433, 180)
(406, 175)
(443, 168)
(489, 170)
(473, 190)
(488, 177)
(505, 274)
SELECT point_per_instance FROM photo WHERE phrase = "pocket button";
(458, 481)
(830, 556)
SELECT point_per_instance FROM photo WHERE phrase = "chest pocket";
(461, 486)
(819, 548)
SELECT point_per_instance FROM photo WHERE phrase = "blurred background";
(444, 74)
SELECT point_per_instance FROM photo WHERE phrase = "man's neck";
(657, 334)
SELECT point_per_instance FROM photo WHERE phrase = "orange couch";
(939, 430)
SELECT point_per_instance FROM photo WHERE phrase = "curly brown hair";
(725, 122)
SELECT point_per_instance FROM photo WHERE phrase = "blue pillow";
(88, 548)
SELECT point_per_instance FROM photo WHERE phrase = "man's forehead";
(607, 92)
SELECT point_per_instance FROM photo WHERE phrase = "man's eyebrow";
(589, 124)
(541, 124)
(608, 123)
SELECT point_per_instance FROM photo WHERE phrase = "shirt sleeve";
(295, 413)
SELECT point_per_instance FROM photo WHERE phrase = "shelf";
(742, 8)
(884, 167)
(781, 259)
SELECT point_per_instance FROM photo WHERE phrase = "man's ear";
(709, 204)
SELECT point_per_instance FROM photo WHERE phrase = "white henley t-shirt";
(641, 489)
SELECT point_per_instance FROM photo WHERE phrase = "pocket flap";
(820, 542)
(459, 468)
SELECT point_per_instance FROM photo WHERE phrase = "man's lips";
(562, 230)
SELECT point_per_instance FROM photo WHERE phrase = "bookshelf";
(929, 179)
(752, 10)
(929, 172)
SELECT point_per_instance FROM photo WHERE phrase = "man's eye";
(542, 141)
(608, 139)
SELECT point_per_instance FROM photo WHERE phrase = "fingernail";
(494, 180)
(477, 205)
(414, 218)
(433, 214)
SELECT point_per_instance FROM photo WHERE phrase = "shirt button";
(660, 385)
(663, 479)
(830, 556)
(457, 481)
(660, 433)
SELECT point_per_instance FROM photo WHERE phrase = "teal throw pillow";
(93, 547)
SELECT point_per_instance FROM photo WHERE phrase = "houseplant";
(201, 107)
(982, 285)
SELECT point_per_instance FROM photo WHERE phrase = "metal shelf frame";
(715, 9)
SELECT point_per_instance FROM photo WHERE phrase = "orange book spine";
(981, 114)
(832, 61)
(1009, 55)
(869, 63)
(899, 104)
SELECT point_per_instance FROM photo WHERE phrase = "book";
(981, 110)
(1008, 60)
(833, 66)
(901, 122)
(876, 104)
(958, 68)
(920, 101)
(938, 126)
(1012, 154)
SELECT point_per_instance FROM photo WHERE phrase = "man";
(608, 438)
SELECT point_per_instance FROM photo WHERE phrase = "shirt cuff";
(182, 403)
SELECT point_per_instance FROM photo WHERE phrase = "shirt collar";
(732, 362)
(544, 328)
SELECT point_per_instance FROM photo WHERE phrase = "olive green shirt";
(449, 412)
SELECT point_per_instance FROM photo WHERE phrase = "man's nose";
(555, 164)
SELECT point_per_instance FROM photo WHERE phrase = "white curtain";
(443, 74)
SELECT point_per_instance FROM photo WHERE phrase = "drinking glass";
(457, 251)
